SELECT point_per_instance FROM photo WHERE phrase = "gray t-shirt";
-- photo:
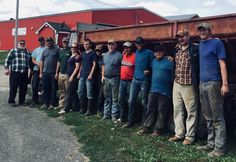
(112, 63)
(50, 57)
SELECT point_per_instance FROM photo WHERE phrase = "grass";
(105, 141)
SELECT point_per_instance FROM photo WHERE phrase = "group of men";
(195, 71)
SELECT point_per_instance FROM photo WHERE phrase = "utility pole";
(16, 24)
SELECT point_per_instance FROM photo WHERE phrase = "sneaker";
(143, 131)
(127, 125)
(61, 112)
(187, 142)
(216, 154)
(51, 107)
(32, 105)
(44, 106)
(174, 139)
(58, 108)
(105, 118)
(156, 134)
(204, 148)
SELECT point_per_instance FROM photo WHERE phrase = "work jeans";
(62, 86)
(49, 89)
(16, 80)
(72, 100)
(185, 98)
(212, 109)
(123, 98)
(35, 86)
(86, 88)
(136, 87)
(111, 90)
(157, 109)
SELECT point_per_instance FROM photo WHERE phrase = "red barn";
(59, 25)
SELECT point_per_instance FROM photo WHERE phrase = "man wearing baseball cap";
(65, 53)
(36, 58)
(126, 76)
(185, 97)
(213, 86)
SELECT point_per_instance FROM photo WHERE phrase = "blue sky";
(29, 8)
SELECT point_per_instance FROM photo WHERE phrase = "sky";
(29, 8)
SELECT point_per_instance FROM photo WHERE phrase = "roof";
(89, 27)
(55, 26)
(181, 17)
(90, 10)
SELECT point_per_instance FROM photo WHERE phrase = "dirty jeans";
(62, 85)
(111, 90)
(185, 98)
(136, 87)
(212, 109)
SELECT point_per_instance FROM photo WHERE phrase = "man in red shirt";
(126, 76)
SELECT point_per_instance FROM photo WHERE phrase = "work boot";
(89, 107)
(82, 105)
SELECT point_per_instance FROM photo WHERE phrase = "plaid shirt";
(18, 60)
(183, 67)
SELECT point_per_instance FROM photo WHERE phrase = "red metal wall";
(126, 17)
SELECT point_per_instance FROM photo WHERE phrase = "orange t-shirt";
(127, 67)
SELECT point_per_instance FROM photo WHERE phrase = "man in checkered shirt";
(185, 98)
(16, 66)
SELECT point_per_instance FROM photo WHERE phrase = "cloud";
(209, 3)
(162, 8)
(232, 2)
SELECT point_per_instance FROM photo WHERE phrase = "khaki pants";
(185, 97)
(62, 85)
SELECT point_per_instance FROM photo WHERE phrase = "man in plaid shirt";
(185, 89)
(16, 66)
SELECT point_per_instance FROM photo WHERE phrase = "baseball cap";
(49, 39)
(182, 33)
(139, 40)
(98, 47)
(204, 25)
(65, 39)
(111, 41)
(127, 44)
(41, 39)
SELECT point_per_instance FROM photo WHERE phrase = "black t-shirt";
(71, 64)
(87, 62)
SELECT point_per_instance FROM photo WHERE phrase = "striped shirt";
(18, 60)
(183, 67)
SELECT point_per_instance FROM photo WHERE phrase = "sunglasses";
(22, 43)
(73, 47)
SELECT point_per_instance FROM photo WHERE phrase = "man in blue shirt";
(36, 59)
(140, 82)
(213, 86)
(160, 93)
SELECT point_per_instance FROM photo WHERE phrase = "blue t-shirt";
(87, 62)
(143, 60)
(210, 53)
(37, 54)
(162, 76)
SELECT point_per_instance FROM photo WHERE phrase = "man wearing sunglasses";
(16, 66)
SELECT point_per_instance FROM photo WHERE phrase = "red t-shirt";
(127, 67)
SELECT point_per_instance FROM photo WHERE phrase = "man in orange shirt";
(126, 76)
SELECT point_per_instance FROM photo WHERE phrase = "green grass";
(3, 56)
(105, 141)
